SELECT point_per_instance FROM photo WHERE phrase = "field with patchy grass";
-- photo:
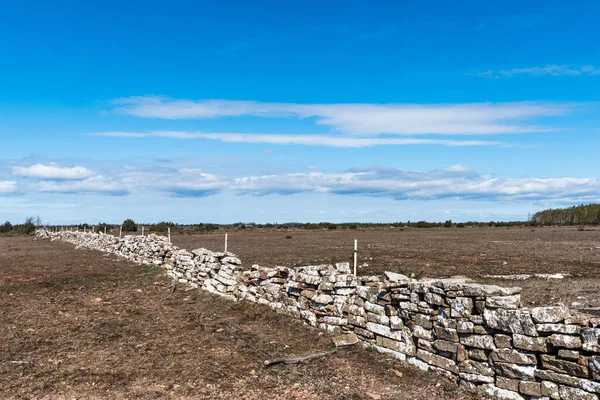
(436, 253)
(78, 323)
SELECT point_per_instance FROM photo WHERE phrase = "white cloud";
(309, 140)
(52, 171)
(8, 186)
(364, 119)
(457, 182)
(94, 185)
(453, 183)
(549, 69)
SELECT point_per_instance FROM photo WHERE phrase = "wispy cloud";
(457, 182)
(309, 140)
(364, 119)
(94, 185)
(454, 183)
(546, 70)
(8, 186)
(52, 171)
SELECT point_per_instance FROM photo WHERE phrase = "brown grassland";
(78, 323)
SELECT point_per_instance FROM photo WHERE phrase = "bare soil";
(437, 253)
(82, 324)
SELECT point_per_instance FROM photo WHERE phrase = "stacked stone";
(477, 335)
(265, 286)
(224, 272)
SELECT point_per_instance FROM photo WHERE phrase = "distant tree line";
(577, 215)
(129, 225)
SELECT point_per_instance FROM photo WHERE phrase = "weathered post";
(142, 231)
(225, 242)
(355, 254)
(169, 233)
(120, 231)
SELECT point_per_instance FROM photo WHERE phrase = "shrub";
(27, 228)
(7, 227)
(448, 224)
(129, 225)
(161, 226)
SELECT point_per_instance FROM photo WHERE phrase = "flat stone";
(570, 342)
(512, 302)
(438, 361)
(502, 341)
(323, 299)
(568, 354)
(345, 340)
(543, 315)
(500, 394)
(477, 290)
(460, 307)
(396, 278)
(435, 299)
(570, 393)
(476, 378)
(559, 328)
(513, 356)
(443, 345)
(591, 339)
(530, 388)
(384, 331)
(464, 326)
(566, 367)
(550, 389)
(515, 371)
(423, 333)
(424, 321)
(403, 347)
(529, 343)
(478, 341)
(476, 368)
(374, 308)
(446, 334)
(508, 384)
(514, 321)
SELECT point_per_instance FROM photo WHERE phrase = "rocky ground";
(82, 324)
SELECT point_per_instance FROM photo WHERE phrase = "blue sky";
(273, 111)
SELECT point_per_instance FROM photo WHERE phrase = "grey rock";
(514, 321)
(478, 341)
(529, 343)
(516, 371)
(512, 302)
(544, 315)
(570, 342)
(513, 356)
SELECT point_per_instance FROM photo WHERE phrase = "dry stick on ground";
(297, 359)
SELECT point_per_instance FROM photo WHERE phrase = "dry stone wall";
(477, 335)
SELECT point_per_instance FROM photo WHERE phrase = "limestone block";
(460, 307)
(511, 302)
(513, 356)
(515, 321)
(570, 342)
(543, 315)
(478, 341)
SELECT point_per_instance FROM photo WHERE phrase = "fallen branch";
(297, 359)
